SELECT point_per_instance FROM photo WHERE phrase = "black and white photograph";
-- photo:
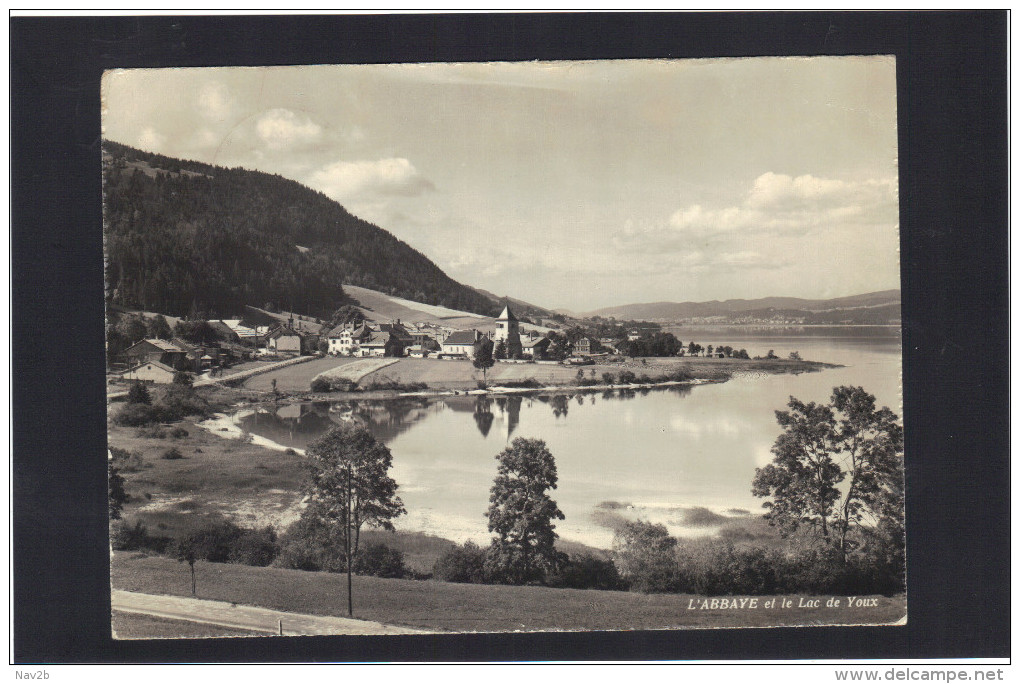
(510, 337)
(496, 347)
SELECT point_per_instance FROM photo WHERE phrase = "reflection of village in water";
(296, 425)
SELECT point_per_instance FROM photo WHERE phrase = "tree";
(139, 393)
(132, 328)
(159, 328)
(349, 487)
(185, 551)
(347, 314)
(823, 446)
(500, 351)
(521, 514)
(645, 555)
(118, 497)
(795, 356)
(483, 356)
(183, 378)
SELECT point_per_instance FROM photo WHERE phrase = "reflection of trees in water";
(560, 405)
(483, 415)
(299, 424)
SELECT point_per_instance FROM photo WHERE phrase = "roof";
(377, 340)
(284, 331)
(507, 314)
(162, 345)
(461, 337)
(396, 329)
(157, 364)
(530, 344)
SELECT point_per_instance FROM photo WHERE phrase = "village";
(216, 345)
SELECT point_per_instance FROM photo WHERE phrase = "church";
(508, 330)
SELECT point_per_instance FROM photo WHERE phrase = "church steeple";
(508, 329)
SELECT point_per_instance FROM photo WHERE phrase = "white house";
(150, 371)
(461, 342)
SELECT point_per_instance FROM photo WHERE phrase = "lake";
(682, 456)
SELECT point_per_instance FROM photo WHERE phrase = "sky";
(574, 185)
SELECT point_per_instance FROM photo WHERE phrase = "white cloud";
(215, 101)
(282, 129)
(344, 180)
(776, 205)
(150, 140)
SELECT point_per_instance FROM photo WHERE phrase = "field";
(468, 607)
(135, 626)
(462, 375)
(297, 378)
(358, 368)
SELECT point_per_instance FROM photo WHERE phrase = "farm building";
(150, 371)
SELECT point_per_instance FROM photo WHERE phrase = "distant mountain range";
(871, 308)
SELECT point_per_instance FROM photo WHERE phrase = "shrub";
(127, 462)
(179, 401)
(608, 379)
(585, 571)
(172, 454)
(151, 431)
(646, 557)
(627, 377)
(183, 378)
(139, 394)
(255, 547)
(290, 452)
(126, 537)
(528, 382)
(379, 560)
(137, 415)
(465, 564)
(307, 545)
(178, 433)
(321, 385)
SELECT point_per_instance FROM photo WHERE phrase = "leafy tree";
(521, 514)
(349, 487)
(139, 393)
(465, 564)
(483, 356)
(821, 447)
(159, 328)
(795, 355)
(645, 555)
(118, 497)
(347, 314)
(132, 328)
(185, 550)
(771, 354)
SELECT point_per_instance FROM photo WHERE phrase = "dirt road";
(246, 617)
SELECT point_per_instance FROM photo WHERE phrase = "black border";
(953, 129)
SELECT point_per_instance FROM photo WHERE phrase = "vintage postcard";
(502, 347)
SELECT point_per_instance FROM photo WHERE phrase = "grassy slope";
(225, 477)
(466, 607)
(134, 626)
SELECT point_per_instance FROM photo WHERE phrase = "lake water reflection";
(652, 454)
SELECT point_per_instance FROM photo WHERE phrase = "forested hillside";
(187, 238)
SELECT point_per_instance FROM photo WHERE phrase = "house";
(418, 351)
(508, 331)
(175, 353)
(245, 334)
(149, 350)
(150, 371)
(610, 344)
(344, 339)
(285, 339)
(585, 346)
(398, 332)
(377, 344)
(535, 348)
(461, 343)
